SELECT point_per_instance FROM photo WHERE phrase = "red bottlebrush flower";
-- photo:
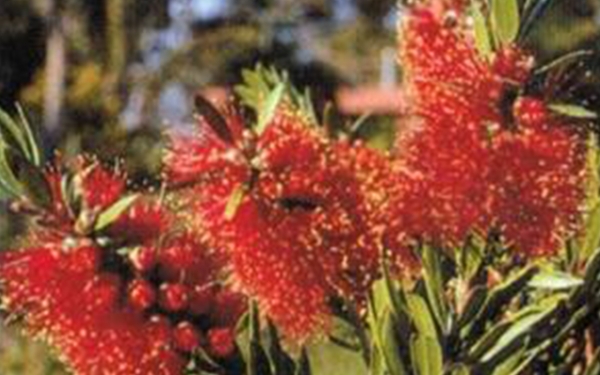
(100, 188)
(82, 299)
(221, 342)
(42, 286)
(85, 259)
(194, 156)
(141, 223)
(477, 159)
(103, 293)
(538, 178)
(304, 232)
(185, 258)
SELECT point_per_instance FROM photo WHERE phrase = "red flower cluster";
(306, 229)
(474, 159)
(140, 303)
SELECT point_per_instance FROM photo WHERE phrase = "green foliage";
(505, 20)
(20, 161)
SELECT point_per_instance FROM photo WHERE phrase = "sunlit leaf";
(111, 214)
(574, 111)
(505, 20)
(235, 200)
(483, 38)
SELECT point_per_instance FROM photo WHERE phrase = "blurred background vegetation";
(109, 76)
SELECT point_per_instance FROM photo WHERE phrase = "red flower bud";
(143, 259)
(141, 294)
(202, 299)
(221, 342)
(173, 297)
(186, 337)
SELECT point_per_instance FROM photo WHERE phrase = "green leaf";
(555, 280)
(258, 362)
(512, 363)
(563, 60)
(473, 306)
(522, 325)
(426, 355)
(498, 299)
(434, 285)
(235, 200)
(36, 155)
(461, 369)
(421, 316)
(592, 272)
(591, 239)
(505, 20)
(488, 340)
(264, 88)
(111, 214)
(9, 183)
(303, 365)
(282, 363)
(394, 293)
(31, 179)
(573, 110)
(267, 111)
(13, 136)
(505, 292)
(483, 38)
(213, 118)
(390, 347)
(470, 257)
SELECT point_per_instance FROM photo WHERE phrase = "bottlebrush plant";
(471, 247)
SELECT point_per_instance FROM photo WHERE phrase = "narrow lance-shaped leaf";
(282, 363)
(498, 298)
(111, 214)
(34, 148)
(235, 200)
(258, 362)
(434, 285)
(267, 111)
(13, 135)
(390, 347)
(426, 355)
(421, 316)
(303, 365)
(554, 280)
(534, 10)
(483, 38)
(31, 179)
(505, 20)
(213, 118)
(8, 182)
(573, 111)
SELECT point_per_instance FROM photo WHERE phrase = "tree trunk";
(55, 69)
(116, 54)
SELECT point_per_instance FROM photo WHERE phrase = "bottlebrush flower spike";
(538, 178)
(93, 333)
(304, 228)
(474, 156)
(98, 304)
